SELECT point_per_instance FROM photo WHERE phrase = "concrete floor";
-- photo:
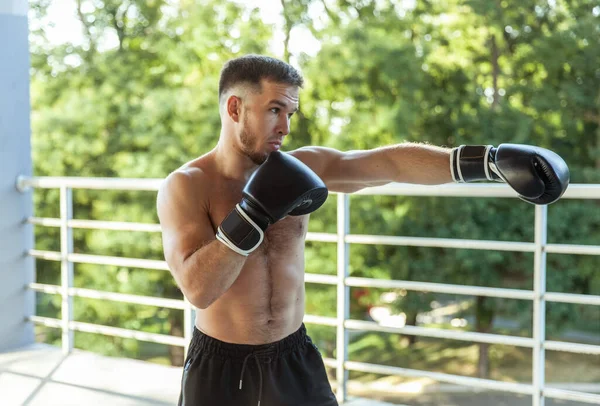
(40, 375)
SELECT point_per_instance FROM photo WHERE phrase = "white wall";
(16, 269)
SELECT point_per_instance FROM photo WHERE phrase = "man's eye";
(275, 110)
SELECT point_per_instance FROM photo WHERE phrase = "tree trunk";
(411, 320)
(495, 70)
(87, 29)
(484, 318)
(288, 25)
(598, 131)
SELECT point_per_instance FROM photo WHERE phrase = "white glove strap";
(487, 165)
(455, 162)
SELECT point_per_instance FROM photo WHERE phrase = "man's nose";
(284, 126)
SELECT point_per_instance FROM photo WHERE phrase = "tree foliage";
(136, 96)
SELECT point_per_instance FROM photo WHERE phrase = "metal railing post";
(66, 267)
(539, 305)
(343, 303)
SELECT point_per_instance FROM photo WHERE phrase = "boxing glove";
(539, 176)
(281, 186)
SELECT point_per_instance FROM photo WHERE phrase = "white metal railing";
(342, 280)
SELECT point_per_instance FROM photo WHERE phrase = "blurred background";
(128, 88)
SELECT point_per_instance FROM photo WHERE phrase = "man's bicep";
(184, 221)
(319, 159)
(344, 172)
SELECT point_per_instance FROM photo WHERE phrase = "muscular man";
(234, 222)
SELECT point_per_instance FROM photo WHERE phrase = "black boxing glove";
(281, 186)
(538, 175)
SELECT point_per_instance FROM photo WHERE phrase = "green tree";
(445, 73)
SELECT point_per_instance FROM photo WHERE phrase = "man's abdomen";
(265, 304)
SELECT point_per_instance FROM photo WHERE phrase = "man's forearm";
(210, 272)
(420, 163)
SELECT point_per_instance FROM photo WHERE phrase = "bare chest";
(279, 237)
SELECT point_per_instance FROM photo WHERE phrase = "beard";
(248, 139)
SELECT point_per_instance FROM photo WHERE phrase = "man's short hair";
(251, 69)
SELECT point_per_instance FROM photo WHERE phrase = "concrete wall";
(16, 270)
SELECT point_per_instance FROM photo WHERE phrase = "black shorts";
(289, 372)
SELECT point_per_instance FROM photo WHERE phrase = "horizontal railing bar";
(118, 261)
(128, 298)
(96, 224)
(572, 347)
(572, 298)
(351, 238)
(516, 246)
(441, 377)
(114, 225)
(574, 249)
(147, 264)
(321, 237)
(311, 319)
(441, 333)
(351, 281)
(330, 362)
(45, 288)
(113, 296)
(440, 288)
(465, 381)
(54, 182)
(125, 333)
(320, 320)
(45, 321)
(318, 278)
(574, 191)
(582, 191)
(571, 395)
(441, 243)
(111, 331)
(47, 255)
(44, 221)
(449, 190)
(102, 260)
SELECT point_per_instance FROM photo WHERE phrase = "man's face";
(265, 119)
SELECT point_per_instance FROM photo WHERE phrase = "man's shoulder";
(316, 158)
(192, 177)
(307, 154)
(312, 151)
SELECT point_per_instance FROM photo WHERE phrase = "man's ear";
(234, 108)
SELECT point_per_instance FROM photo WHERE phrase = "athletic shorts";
(289, 372)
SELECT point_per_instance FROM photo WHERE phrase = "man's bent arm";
(209, 272)
(202, 266)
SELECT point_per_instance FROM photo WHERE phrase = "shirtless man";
(234, 222)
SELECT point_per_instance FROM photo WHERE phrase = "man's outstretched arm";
(538, 175)
(355, 170)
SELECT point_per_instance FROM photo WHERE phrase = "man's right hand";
(281, 186)
(538, 175)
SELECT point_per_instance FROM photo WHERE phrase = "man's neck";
(231, 162)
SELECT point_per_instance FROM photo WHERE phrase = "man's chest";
(282, 235)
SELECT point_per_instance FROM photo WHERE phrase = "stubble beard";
(248, 140)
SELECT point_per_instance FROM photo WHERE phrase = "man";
(234, 222)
